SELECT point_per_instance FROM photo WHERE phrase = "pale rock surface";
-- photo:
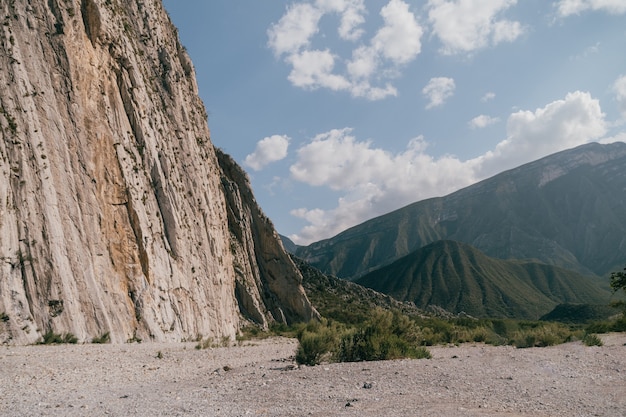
(115, 214)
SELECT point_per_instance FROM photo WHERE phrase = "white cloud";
(619, 87)
(399, 39)
(371, 66)
(374, 181)
(438, 90)
(467, 25)
(562, 124)
(482, 121)
(570, 7)
(352, 16)
(295, 29)
(268, 150)
(488, 96)
(314, 69)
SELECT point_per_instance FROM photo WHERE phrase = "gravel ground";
(259, 378)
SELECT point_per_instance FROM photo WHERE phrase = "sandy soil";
(260, 378)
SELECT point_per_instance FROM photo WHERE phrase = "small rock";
(367, 385)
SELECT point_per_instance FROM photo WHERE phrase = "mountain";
(348, 302)
(288, 244)
(460, 278)
(117, 214)
(567, 210)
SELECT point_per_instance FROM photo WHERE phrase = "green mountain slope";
(345, 301)
(568, 210)
(460, 278)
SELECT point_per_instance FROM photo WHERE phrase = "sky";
(344, 110)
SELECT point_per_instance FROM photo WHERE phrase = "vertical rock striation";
(115, 213)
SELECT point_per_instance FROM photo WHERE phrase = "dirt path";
(259, 379)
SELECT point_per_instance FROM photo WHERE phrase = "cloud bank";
(374, 181)
(574, 7)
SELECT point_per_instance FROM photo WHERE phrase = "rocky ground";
(259, 378)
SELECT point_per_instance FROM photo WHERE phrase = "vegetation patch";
(209, 342)
(104, 338)
(362, 325)
(51, 338)
(592, 340)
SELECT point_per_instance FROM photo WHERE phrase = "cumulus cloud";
(395, 44)
(619, 87)
(569, 7)
(438, 90)
(399, 39)
(314, 69)
(295, 29)
(482, 121)
(374, 181)
(464, 26)
(268, 150)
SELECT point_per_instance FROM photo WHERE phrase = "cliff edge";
(116, 212)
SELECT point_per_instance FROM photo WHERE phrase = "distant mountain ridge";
(567, 209)
(460, 278)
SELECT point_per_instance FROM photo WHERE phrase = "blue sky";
(343, 110)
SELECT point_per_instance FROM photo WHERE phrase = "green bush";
(387, 335)
(537, 334)
(592, 340)
(54, 338)
(4, 317)
(318, 341)
(105, 338)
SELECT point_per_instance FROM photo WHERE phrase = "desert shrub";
(592, 340)
(503, 328)
(54, 338)
(104, 338)
(209, 342)
(4, 317)
(537, 334)
(318, 341)
(205, 343)
(387, 335)
(599, 327)
(619, 325)
(616, 325)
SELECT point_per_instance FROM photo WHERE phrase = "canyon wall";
(116, 214)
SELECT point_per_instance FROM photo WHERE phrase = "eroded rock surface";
(115, 215)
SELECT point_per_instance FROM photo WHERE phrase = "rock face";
(115, 213)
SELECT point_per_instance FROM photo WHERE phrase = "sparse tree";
(618, 282)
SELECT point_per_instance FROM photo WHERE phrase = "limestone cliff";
(115, 214)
